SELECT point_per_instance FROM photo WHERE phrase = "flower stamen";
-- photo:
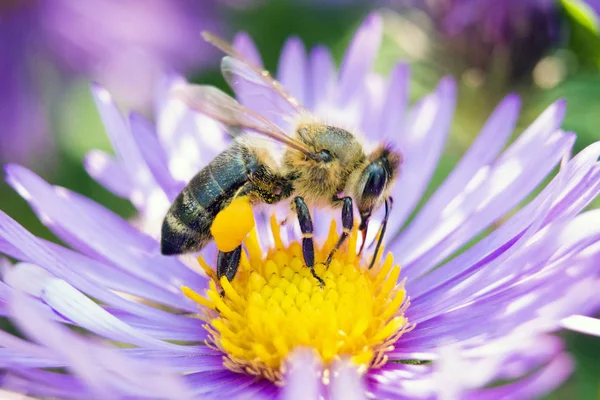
(274, 305)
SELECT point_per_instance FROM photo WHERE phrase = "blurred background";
(51, 50)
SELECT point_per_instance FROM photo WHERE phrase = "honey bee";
(320, 164)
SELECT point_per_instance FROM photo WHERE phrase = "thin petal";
(322, 77)
(508, 183)
(359, 57)
(87, 314)
(123, 143)
(395, 104)
(575, 175)
(89, 361)
(537, 385)
(36, 252)
(346, 382)
(86, 226)
(104, 275)
(147, 142)
(223, 384)
(422, 145)
(245, 45)
(582, 324)
(109, 173)
(293, 69)
(303, 376)
(484, 150)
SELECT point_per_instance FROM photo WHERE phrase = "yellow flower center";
(275, 305)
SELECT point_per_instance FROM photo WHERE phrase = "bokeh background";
(52, 50)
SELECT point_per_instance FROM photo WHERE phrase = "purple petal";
(490, 253)
(322, 78)
(201, 361)
(107, 276)
(402, 381)
(176, 328)
(346, 382)
(45, 384)
(293, 69)
(223, 384)
(99, 367)
(86, 225)
(109, 173)
(482, 153)
(303, 376)
(25, 348)
(533, 306)
(123, 143)
(582, 324)
(12, 359)
(372, 103)
(575, 175)
(536, 385)
(508, 183)
(245, 45)
(548, 122)
(395, 105)
(190, 140)
(147, 142)
(422, 145)
(35, 251)
(84, 312)
(359, 57)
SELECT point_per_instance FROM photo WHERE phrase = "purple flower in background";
(511, 36)
(125, 45)
(480, 318)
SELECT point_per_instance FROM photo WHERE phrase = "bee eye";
(376, 180)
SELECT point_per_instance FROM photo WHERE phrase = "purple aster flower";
(457, 321)
(106, 41)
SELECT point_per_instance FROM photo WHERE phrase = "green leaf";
(584, 30)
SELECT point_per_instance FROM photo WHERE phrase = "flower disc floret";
(274, 306)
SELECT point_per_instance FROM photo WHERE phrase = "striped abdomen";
(186, 226)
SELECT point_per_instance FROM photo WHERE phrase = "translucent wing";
(214, 103)
(250, 81)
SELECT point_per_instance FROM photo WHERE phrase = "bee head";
(375, 180)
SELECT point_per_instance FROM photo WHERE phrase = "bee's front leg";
(347, 224)
(306, 226)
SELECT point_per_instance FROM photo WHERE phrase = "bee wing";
(216, 104)
(251, 81)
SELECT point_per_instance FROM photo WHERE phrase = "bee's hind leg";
(228, 263)
(306, 226)
(347, 224)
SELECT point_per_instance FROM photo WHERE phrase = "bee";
(319, 164)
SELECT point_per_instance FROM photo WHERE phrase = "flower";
(481, 314)
(505, 39)
(105, 41)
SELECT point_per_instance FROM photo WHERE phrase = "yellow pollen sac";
(275, 305)
(232, 224)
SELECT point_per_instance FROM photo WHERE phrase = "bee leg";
(228, 263)
(306, 226)
(388, 207)
(347, 224)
